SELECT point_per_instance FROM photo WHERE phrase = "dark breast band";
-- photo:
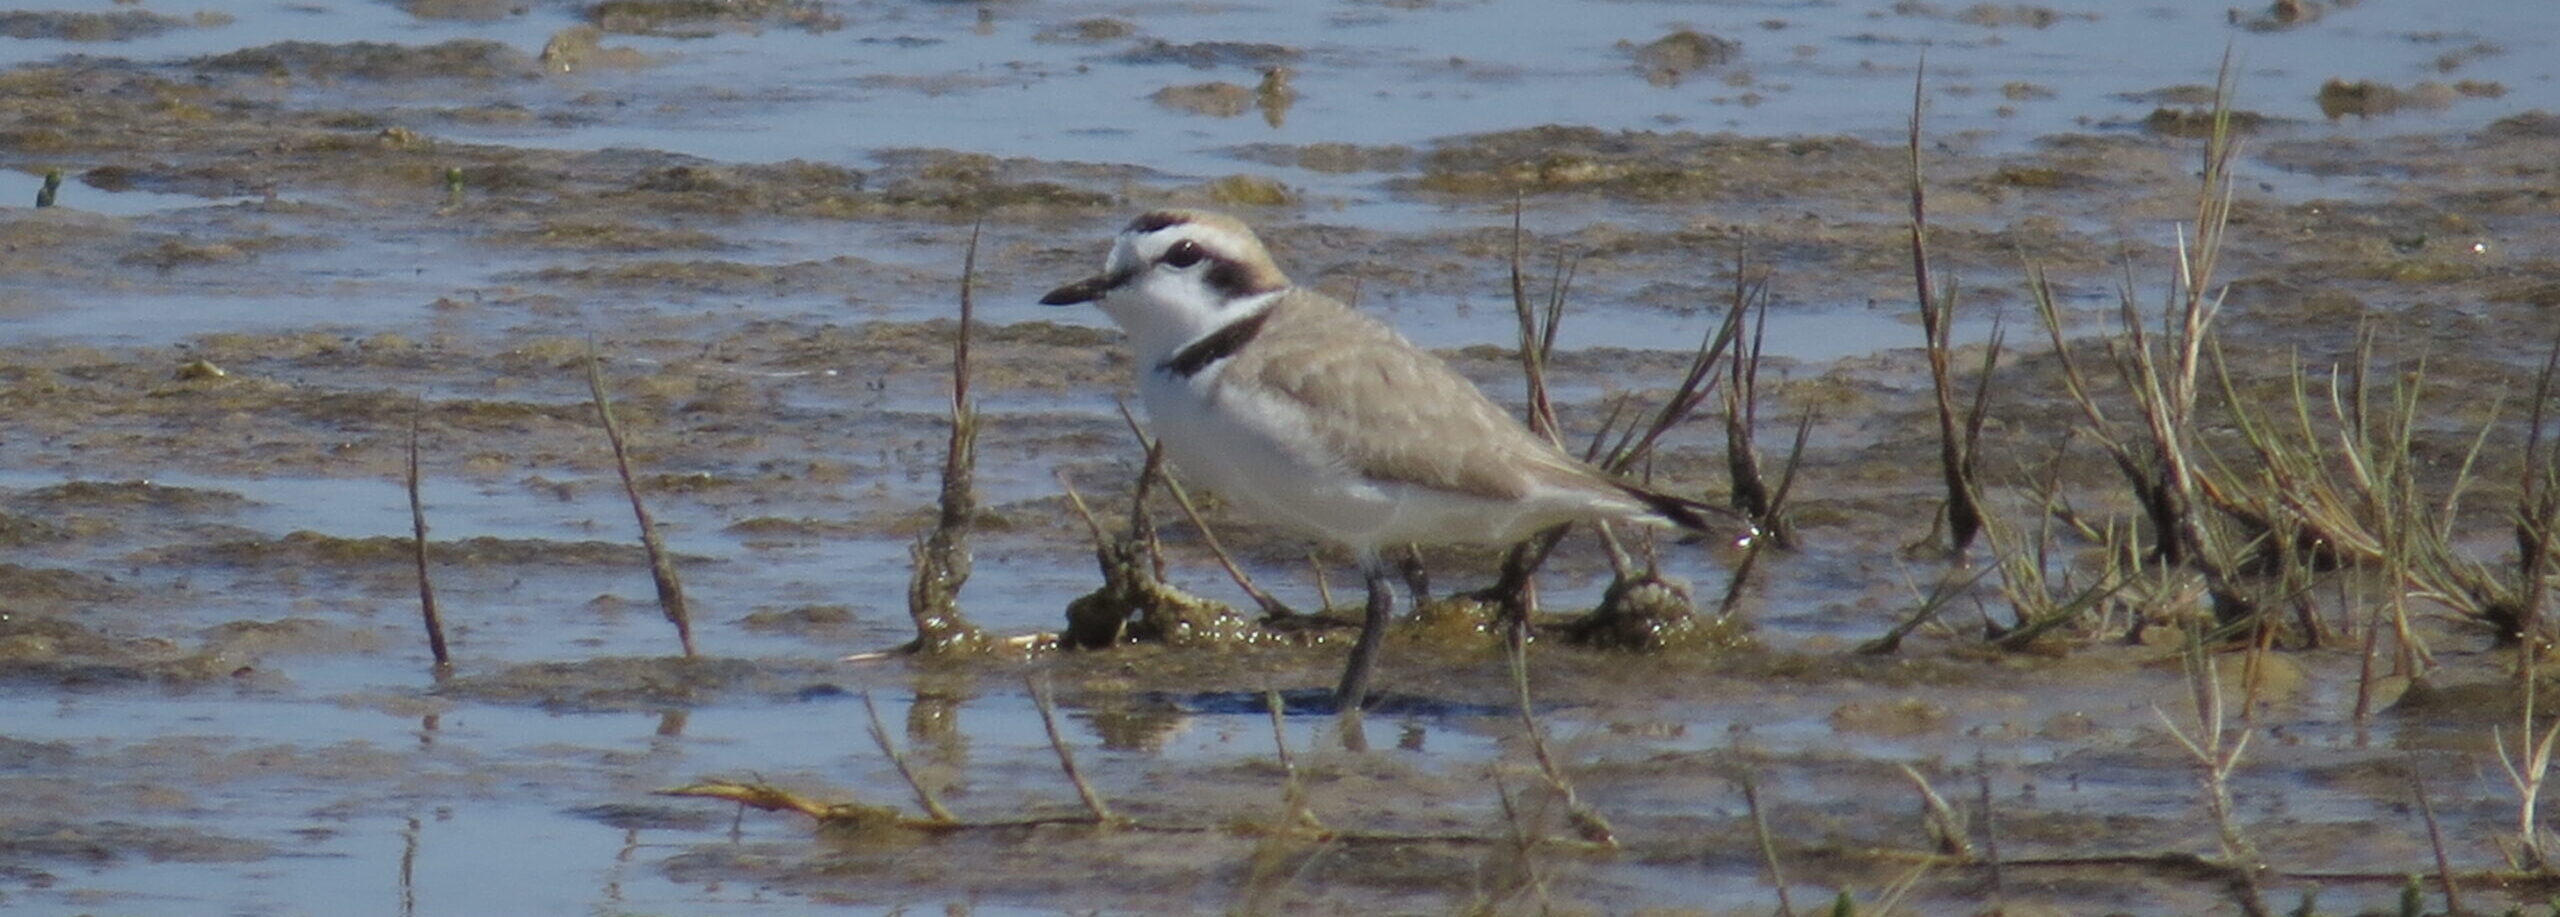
(1216, 345)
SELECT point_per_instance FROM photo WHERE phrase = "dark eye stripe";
(1236, 281)
(1155, 220)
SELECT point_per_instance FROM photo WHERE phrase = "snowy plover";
(1305, 412)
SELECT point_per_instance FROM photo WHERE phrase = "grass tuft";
(941, 556)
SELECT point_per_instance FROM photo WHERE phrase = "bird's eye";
(1184, 254)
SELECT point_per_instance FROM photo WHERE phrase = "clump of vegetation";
(680, 18)
(1134, 602)
(461, 58)
(942, 557)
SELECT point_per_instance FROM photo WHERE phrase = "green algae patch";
(19, 583)
(613, 237)
(696, 276)
(1216, 100)
(462, 58)
(251, 639)
(619, 683)
(1250, 191)
(2198, 123)
(93, 843)
(1330, 158)
(158, 497)
(695, 18)
(1646, 165)
(47, 650)
(805, 620)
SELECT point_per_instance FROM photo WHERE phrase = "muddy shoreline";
(208, 615)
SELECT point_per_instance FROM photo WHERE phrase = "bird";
(1319, 418)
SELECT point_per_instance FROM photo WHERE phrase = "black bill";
(1086, 290)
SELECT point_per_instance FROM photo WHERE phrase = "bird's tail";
(1706, 520)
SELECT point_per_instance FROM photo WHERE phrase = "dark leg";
(1416, 579)
(1373, 632)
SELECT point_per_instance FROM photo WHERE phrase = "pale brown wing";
(1397, 413)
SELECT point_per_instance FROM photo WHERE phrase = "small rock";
(1665, 61)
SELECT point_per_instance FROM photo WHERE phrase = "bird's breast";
(1255, 448)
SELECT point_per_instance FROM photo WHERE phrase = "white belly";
(1258, 453)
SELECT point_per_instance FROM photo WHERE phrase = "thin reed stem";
(1066, 757)
(924, 795)
(418, 544)
(1768, 844)
(662, 566)
(1957, 432)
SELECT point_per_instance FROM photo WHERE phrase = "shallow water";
(1389, 75)
(237, 718)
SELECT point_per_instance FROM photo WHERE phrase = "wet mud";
(209, 594)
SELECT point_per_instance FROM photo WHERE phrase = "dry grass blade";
(2537, 519)
(418, 530)
(2309, 504)
(1891, 898)
(1635, 443)
(2159, 377)
(1075, 501)
(1957, 432)
(2025, 565)
(2217, 750)
(1948, 588)
(1096, 625)
(2435, 840)
(769, 798)
(1142, 524)
(2509, 603)
(2527, 768)
(662, 566)
(2537, 505)
(925, 797)
(1751, 491)
(1768, 844)
(1513, 592)
(1945, 825)
(1534, 345)
(1520, 873)
(1297, 814)
(1773, 525)
(1066, 757)
(1990, 829)
(1588, 824)
(1696, 385)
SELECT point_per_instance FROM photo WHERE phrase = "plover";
(1309, 414)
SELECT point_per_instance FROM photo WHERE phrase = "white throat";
(1162, 322)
